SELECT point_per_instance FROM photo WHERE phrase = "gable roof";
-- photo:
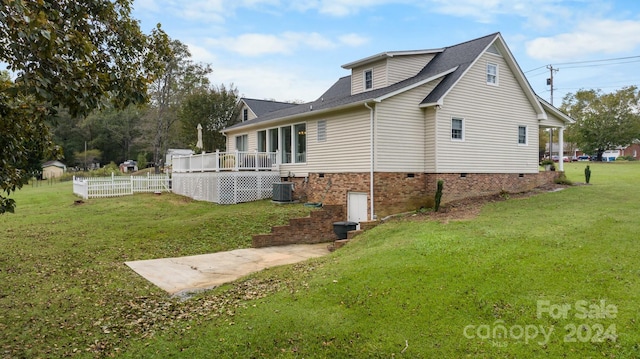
(261, 107)
(450, 64)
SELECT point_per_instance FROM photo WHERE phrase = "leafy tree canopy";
(76, 55)
(214, 108)
(604, 121)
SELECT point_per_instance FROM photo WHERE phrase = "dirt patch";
(469, 208)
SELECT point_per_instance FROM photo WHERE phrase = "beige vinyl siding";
(403, 67)
(346, 148)
(400, 131)
(379, 76)
(491, 116)
(552, 121)
(430, 139)
(252, 139)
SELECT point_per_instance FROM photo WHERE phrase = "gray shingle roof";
(458, 57)
(261, 107)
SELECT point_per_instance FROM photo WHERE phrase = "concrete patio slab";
(193, 273)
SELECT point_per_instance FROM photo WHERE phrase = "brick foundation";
(402, 192)
(458, 186)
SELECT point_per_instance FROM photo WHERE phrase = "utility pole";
(550, 79)
(550, 83)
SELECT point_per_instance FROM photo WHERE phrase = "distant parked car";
(584, 158)
(555, 158)
(565, 159)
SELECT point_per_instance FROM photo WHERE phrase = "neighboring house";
(129, 166)
(53, 169)
(378, 141)
(632, 150)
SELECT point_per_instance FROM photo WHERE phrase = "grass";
(409, 288)
(65, 286)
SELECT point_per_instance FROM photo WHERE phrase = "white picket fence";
(114, 186)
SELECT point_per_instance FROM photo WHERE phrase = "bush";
(625, 158)
(562, 179)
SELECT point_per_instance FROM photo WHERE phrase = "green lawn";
(553, 275)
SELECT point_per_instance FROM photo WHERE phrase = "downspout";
(372, 162)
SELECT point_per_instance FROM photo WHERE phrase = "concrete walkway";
(189, 274)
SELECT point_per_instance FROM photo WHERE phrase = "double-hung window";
(368, 79)
(522, 135)
(457, 129)
(492, 74)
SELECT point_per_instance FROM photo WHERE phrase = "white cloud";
(592, 37)
(201, 54)
(539, 14)
(272, 82)
(353, 40)
(341, 8)
(286, 43)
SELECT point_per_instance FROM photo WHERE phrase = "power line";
(591, 61)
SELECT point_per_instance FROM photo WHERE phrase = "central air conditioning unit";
(283, 192)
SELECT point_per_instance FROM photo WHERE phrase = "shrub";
(562, 179)
(587, 174)
(625, 158)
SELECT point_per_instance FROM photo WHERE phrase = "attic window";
(368, 79)
(245, 115)
(492, 74)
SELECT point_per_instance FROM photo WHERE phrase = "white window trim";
(279, 144)
(364, 79)
(451, 129)
(236, 141)
(526, 135)
(486, 74)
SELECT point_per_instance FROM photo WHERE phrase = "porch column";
(561, 148)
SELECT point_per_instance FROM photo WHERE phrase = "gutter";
(372, 162)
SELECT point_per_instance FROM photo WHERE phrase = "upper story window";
(368, 79)
(492, 74)
(245, 114)
(457, 129)
(522, 135)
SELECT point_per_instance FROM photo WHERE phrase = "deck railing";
(227, 161)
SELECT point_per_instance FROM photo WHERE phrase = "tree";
(180, 78)
(76, 55)
(214, 108)
(115, 132)
(603, 121)
(86, 159)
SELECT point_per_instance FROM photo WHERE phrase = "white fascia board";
(387, 54)
(554, 111)
(417, 84)
(440, 103)
(522, 80)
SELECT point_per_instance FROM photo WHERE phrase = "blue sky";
(293, 50)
